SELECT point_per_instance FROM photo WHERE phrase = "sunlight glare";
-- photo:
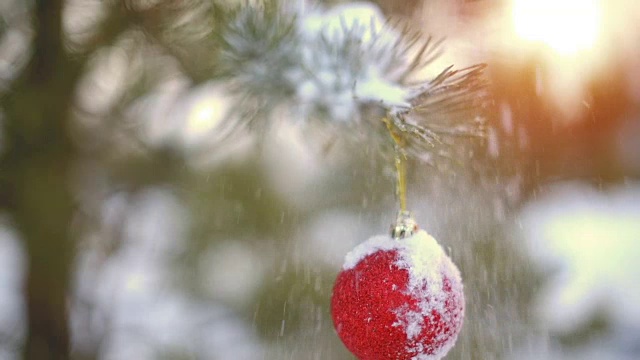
(203, 116)
(566, 26)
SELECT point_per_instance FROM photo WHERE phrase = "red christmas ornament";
(398, 299)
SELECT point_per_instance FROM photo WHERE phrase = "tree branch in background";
(184, 31)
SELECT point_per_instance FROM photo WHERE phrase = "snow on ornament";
(398, 297)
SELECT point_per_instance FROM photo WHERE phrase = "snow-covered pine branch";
(348, 65)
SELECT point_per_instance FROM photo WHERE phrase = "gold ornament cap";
(405, 226)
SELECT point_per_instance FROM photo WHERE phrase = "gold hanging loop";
(400, 162)
(405, 225)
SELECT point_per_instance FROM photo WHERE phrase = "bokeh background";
(136, 225)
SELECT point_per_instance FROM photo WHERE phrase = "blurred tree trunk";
(35, 172)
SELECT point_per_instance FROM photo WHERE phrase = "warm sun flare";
(567, 26)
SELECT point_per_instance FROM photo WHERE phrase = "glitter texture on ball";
(398, 299)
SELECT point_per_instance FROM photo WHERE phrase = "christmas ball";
(398, 299)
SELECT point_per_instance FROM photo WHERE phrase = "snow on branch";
(348, 67)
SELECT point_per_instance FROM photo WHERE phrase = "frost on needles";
(350, 67)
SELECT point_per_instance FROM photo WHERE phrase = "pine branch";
(346, 68)
(340, 73)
